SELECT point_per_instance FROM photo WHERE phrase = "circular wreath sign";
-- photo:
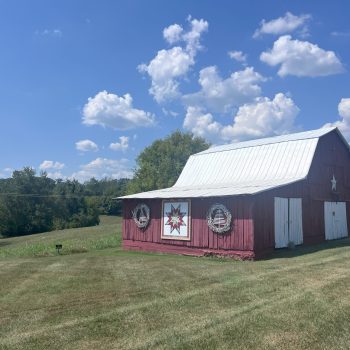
(219, 218)
(141, 215)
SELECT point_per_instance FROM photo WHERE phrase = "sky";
(86, 85)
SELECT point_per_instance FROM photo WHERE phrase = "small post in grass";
(58, 248)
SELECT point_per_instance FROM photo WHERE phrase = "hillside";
(105, 235)
(105, 298)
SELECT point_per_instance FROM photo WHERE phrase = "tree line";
(33, 203)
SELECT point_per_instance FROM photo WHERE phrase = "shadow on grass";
(4, 243)
(307, 249)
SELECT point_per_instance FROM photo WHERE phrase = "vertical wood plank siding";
(331, 156)
(240, 237)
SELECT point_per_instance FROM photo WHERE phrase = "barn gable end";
(332, 157)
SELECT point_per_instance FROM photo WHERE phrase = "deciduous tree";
(160, 164)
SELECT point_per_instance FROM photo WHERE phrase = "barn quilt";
(176, 220)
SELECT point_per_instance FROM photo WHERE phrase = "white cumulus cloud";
(164, 69)
(263, 117)
(344, 123)
(238, 56)
(301, 58)
(122, 145)
(169, 112)
(86, 145)
(202, 124)
(49, 164)
(173, 33)
(56, 175)
(221, 95)
(104, 168)
(110, 110)
(260, 118)
(169, 66)
(282, 25)
(193, 36)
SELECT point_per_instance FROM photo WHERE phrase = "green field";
(95, 296)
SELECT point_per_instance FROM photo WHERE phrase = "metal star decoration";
(175, 219)
(334, 183)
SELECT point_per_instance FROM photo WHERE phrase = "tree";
(26, 207)
(159, 165)
(100, 193)
(72, 207)
(31, 204)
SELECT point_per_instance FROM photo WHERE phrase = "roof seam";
(252, 146)
(235, 145)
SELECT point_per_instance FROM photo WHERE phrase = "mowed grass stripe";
(174, 300)
(111, 299)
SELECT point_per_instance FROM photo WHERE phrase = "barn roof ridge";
(302, 135)
(281, 161)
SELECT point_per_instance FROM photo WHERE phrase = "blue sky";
(86, 85)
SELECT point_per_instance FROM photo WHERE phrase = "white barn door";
(295, 221)
(288, 221)
(281, 222)
(335, 220)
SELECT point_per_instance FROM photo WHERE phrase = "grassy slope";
(110, 299)
(106, 235)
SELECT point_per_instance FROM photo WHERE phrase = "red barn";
(248, 198)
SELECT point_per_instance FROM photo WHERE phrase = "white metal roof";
(244, 168)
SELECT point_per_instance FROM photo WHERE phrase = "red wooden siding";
(331, 157)
(240, 237)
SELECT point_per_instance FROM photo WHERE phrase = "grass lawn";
(79, 240)
(104, 298)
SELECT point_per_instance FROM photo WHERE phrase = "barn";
(246, 199)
